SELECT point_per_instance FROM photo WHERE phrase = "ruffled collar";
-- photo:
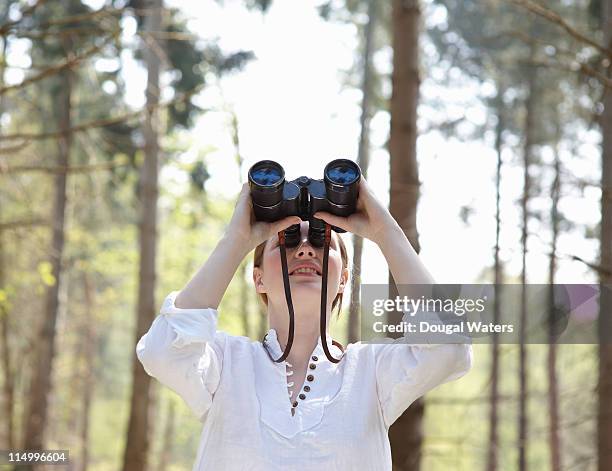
(270, 342)
(324, 380)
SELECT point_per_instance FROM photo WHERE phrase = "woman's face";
(305, 265)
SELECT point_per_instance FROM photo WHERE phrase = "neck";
(306, 334)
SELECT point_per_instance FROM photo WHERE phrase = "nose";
(305, 250)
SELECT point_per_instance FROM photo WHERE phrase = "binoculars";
(275, 198)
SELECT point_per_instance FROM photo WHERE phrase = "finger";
(334, 220)
(284, 223)
(245, 190)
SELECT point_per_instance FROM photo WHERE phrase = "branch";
(99, 123)
(577, 65)
(82, 17)
(597, 268)
(13, 149)
(77, 31)
(442, 126)
(28, 11)
(63, 169)
(581, 67)
(554, 17)
(69, 62)
(22, 223)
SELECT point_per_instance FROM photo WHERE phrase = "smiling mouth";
(304, 271)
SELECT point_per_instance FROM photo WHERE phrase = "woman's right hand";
(247, 229)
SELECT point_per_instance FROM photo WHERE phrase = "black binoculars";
(275, 198)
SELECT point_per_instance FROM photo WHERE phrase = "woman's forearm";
(207, 287)
(404, 263)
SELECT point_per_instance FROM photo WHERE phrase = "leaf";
(45, 270)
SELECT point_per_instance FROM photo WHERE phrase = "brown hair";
(258, 261)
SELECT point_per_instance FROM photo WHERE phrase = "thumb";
(333, 220)
(284, 223)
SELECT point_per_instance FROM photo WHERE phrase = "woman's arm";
(404, 372)
(207, 287)
(404, 263)
(373, 221)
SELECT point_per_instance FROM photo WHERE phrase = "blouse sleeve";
(405, 372)
(183, 350)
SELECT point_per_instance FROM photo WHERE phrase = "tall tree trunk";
(244, 288)
(492, 455)
(41, 381)
(604, 425)
(137, 443)
(9, 385)
(406, 434)
(9, 377)
(87, 373)
(363, 159)
(166, 450)
(553, 394)
(527, 150)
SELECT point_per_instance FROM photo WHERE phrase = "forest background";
(128, 126)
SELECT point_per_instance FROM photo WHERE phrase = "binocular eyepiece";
(275, 198)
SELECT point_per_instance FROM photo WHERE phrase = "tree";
(363, 160)
(405, 435)
(604, 423)
(192, 63)
(62, 114)
(137, 443)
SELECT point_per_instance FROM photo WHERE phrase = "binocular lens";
(266, 175)
(342, 173)
(341, 178)
(266, 180)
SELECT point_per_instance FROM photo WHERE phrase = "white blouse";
(344, 409)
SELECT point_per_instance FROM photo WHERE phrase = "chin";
(306, 285)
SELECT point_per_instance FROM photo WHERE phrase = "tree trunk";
(553, 394)
(244, 288)
(405, 435)
(604, 425)
(166, 450)
(9, 377)
(527, 150)
(9, 385)
(137, 443)
(492, 455)
(41, 381)
(87, 374)
(363, 159)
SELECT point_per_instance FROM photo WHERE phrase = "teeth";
(305, 270)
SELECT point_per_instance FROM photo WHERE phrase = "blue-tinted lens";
(266, 176)
(342, 174)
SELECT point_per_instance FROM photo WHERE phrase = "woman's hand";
(247, 229)
(370, 220)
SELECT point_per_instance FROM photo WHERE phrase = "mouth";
(305, 270)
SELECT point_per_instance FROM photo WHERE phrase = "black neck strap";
(323, 320)
(283, 253)
(323, 323)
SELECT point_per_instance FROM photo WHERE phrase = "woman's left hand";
(370, 220)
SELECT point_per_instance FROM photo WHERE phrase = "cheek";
(334, 265)
(272, 264)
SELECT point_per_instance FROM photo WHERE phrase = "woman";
(306, 412)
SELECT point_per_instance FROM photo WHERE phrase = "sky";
(293, 107)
